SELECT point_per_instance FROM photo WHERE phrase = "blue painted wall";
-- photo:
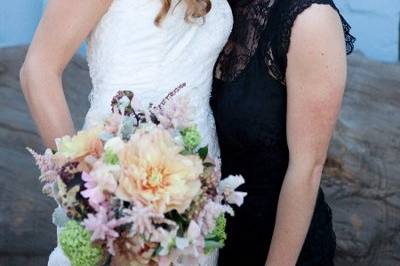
(18, 20)
(375, 24)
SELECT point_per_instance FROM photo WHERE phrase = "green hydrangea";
(76, 245)
(191, 138)
(219, 230)
(216, 239)
(110, 157)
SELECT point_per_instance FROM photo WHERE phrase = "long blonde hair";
(195, 9)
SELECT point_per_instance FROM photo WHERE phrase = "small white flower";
(167, 240)
(227, 188)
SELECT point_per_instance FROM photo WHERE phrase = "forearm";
(295, 210)
(45, 97)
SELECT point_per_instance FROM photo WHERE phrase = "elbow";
(308, 171)
(24, 77)
(319, 161)
(315, 170)
(32, 72)
(27, 76)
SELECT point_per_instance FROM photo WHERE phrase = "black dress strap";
(276, 39)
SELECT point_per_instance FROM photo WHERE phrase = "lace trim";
(250, 20)
(296, 8)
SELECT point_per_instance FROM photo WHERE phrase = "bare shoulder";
(317, 52)
(318, 16)
(63, 27)
(81, 6)
(316, 23)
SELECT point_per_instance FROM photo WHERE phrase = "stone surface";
(361, 178)
(362, 172)
(25, 214)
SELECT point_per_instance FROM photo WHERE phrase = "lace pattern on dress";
(287, 19)
(251, 18)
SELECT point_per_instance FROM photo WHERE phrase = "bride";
(147, 46)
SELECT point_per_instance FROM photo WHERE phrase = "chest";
(129, 26)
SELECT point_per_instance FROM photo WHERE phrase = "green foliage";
(211, 245)
(216, 239)
(181, 220)
(76, 245)
(219, 230)
(110, 157)
(191, 138)
(208, 164)
(203, 152)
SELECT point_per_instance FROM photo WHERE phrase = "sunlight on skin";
(316, 76)
(63, 27)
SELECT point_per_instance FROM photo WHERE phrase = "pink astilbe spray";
(49, 166)
(102, 227)
(209, 214)
(142, 219)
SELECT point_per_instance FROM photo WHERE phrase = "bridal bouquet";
(138, 189)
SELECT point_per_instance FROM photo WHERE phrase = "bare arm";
(316, 76)
(64, 26)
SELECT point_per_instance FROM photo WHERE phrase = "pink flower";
(49, 165)
(174, 113)
(113, 123)
(98, 182)
(196, 240)
(142, 219)
(211, 211)
(165, 238)
(188, 250)
(93, 192)
(164, 261)
(102, 228)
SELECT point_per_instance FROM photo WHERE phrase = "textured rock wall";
(27, 234)
(361, 177)
(363, 170)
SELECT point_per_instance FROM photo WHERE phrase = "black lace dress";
(249, 104)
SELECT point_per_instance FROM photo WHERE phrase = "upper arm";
(63, 27)
(315, 76)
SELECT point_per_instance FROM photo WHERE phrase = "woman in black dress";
(277, 93)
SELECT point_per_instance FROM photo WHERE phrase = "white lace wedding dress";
(127, 51)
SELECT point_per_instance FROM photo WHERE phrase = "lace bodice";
(267, 23)
(128, 51)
